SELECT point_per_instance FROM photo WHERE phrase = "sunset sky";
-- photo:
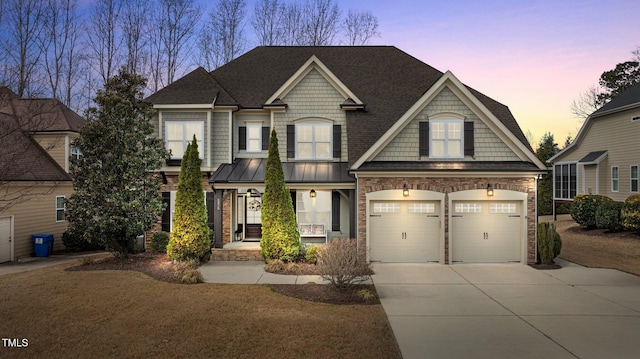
(534, 56)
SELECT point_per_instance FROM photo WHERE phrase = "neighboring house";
(375, 145)
(605, 155)
(36, 137)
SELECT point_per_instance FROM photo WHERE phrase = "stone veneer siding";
(449, 185)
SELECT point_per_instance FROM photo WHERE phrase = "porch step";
(218, 254)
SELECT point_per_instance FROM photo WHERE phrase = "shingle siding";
(488, 146)
(313, 97)
(220, 140)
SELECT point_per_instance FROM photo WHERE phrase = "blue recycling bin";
(42, 244)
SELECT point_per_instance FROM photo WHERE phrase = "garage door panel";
(490, 232)
(404, 236)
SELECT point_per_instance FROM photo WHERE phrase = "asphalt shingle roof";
(387, 80)
(21, 157)
(627, 98)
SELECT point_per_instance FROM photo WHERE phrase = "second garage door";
(486, 231)
(404, 231)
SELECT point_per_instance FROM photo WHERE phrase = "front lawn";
(108, 313)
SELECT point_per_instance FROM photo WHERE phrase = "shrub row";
(595, 211)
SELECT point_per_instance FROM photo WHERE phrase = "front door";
(253, 213)
(5, 239)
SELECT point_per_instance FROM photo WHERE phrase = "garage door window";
(502, 208)
(422, 208)
(468, 208)
(386, 208)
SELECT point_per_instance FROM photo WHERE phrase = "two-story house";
(36, 136)
(375, 145)
(603, 159)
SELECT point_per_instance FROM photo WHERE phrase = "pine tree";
(190, 238)
(116, 192)
(280, 237)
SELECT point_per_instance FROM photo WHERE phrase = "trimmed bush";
(159, 241)
(280, 237)
(311, 254)
(191, 237)
(338, 263)
(631, 213)
(608, 216)
(549, 242)
(583, 208)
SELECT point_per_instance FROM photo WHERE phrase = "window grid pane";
(615, 179)
(386, 207)
(313, 141)
(502, 208)
(180, 133)
(446, 137)
(634, 178)
(422, 208)
(468, 208)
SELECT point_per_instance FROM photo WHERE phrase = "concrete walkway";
(249, 272)
(510, 310)
(31, 263)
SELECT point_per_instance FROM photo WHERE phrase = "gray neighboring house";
(375, 145)
(605, 155)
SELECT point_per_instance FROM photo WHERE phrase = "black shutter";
(337, 141)
(166, 215)
(291, 141)
(265, 138)
(469, 147)
(424, 138)
(209, 200)
(242, 138)
(335, 211)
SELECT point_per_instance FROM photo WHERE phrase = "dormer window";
(75, 152)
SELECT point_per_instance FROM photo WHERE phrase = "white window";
(446, 139)
(386, 207)
(313, 141)
(179, 134)
(254, 137)
(468, 208)
(75, 152)
(615, 179)
(634, 178)
(502, 208)
(60, 208)
(314, 210)
(422, 208)
(635, 119)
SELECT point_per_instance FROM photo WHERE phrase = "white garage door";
(486, 231)
(404, 231)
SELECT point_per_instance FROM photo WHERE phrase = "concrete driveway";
(510, 310)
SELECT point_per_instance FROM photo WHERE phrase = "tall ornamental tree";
(280, 237)
(191, 238)
(116, 192)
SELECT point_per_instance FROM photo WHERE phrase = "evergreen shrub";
(583, 208)
(631, 213)
(609, 216)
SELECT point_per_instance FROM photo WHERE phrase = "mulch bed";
(160, 267)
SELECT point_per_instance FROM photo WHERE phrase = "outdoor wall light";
(312, 193)
(489, 190)
(405, 190)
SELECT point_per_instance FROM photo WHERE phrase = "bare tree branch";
(360, 27)
(320, 22)
(587, 103)
(267, 22)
